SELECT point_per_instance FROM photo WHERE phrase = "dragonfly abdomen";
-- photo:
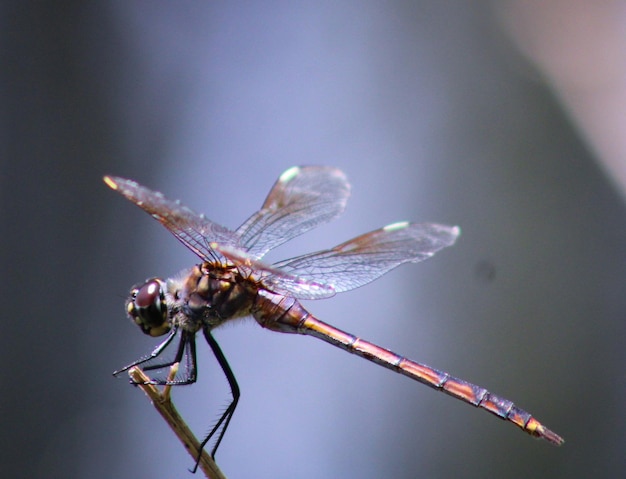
(477, 396)
(442, 381)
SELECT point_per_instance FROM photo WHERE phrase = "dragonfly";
(232, 281)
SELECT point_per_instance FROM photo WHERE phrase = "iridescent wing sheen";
(364, 258)
(301, 199)
(192, 229)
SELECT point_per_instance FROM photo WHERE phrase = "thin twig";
(161, 400)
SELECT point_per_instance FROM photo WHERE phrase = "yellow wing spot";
(110, 183)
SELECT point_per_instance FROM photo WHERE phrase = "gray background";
(433, 115)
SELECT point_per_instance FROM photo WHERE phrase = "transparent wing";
(274, 279)
(367, 257)
(192, 229)
(301, 199)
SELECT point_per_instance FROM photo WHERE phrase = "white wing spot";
(396, 226)
(290, 174)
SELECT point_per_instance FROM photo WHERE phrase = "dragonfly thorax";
(208, 295)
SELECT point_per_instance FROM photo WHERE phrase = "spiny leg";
(224, 420)
(187, 340)
(155, 353)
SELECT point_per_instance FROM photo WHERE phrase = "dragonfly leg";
(186, 349)
(222, 423)
(155, 353)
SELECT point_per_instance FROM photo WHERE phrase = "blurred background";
(505, 118)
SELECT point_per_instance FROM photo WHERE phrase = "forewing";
(369, 256)
(301, 199)
(195, 231)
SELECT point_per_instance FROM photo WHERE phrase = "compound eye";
(148, 295)
(148, 309)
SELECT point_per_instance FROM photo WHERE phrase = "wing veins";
(367, 257)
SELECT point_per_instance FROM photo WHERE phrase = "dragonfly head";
(147, 308)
